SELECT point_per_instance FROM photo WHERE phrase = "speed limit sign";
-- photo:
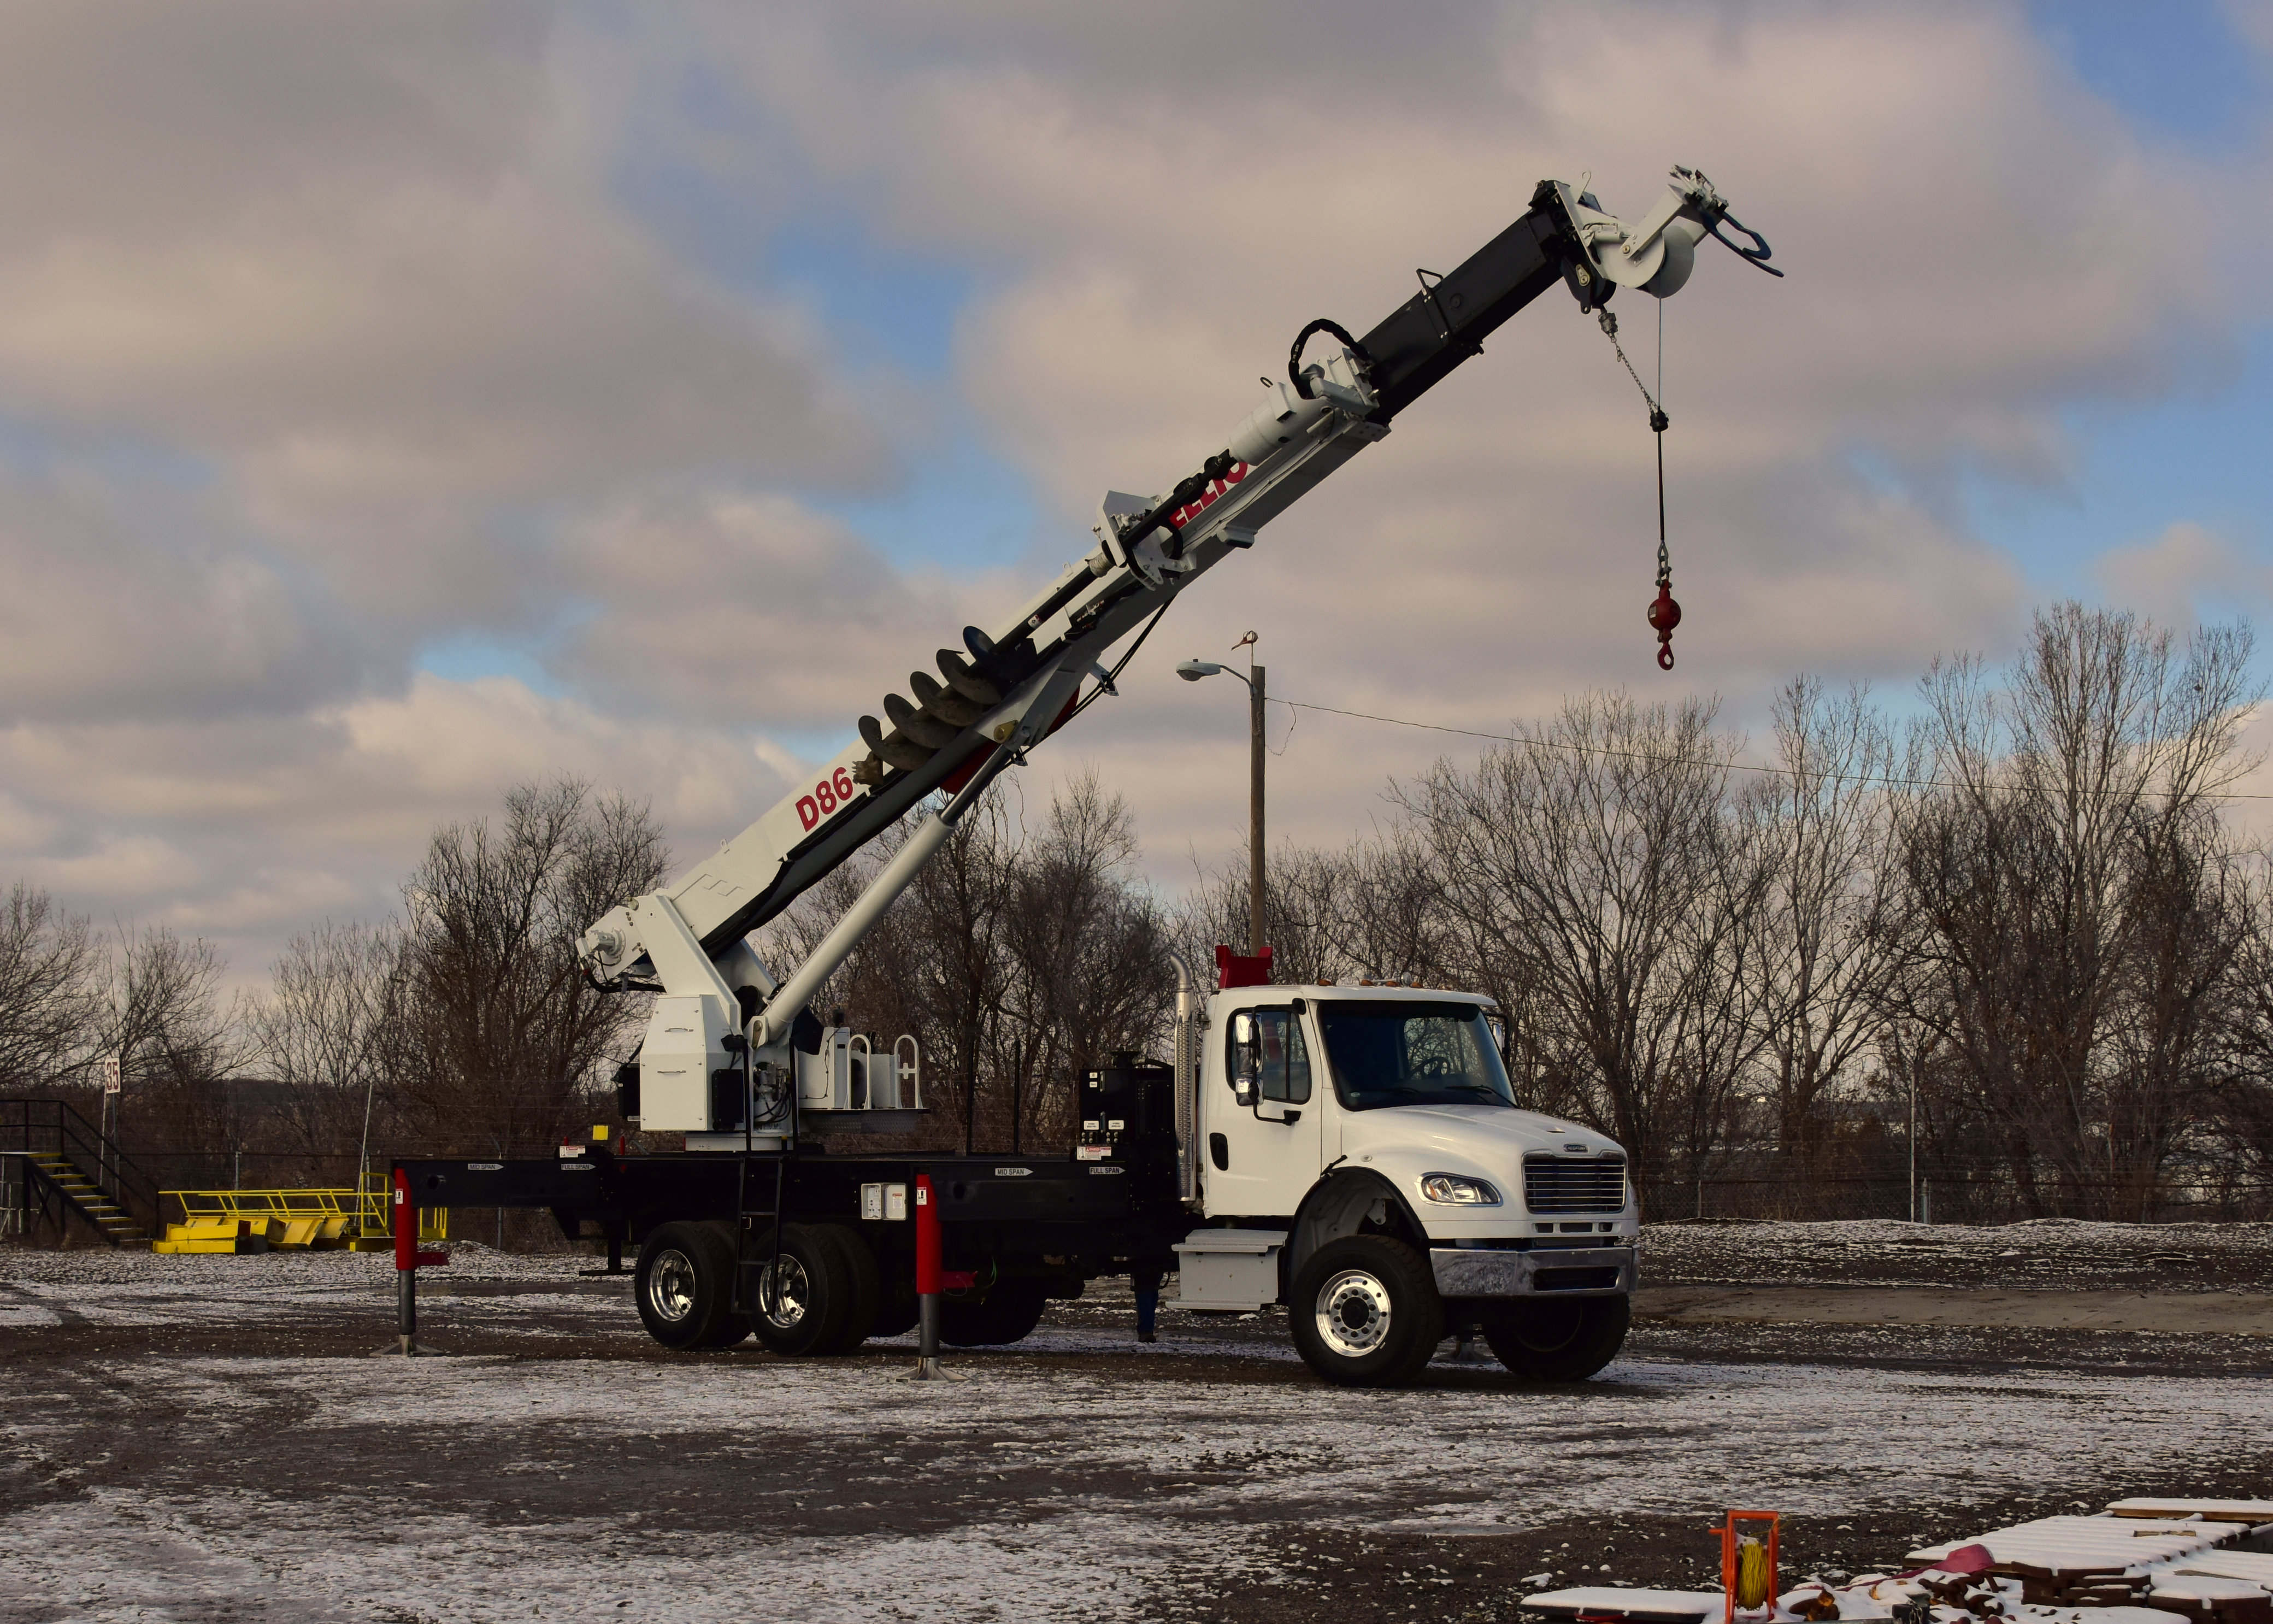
(110, 1075)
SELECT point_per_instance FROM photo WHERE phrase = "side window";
(1267, 1049)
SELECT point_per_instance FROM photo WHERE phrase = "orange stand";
(1729, 1533)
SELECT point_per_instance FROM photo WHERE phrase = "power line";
(1681, 760)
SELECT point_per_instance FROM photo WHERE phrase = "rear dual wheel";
(820, 1293)
(685, 1285)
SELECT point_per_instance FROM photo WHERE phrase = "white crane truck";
(1353, 1152)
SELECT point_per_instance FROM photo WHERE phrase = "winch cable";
(1663, 614)
(1119, 666)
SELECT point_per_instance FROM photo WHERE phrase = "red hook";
(1664, 615)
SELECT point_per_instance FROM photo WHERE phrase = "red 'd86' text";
(831, 793)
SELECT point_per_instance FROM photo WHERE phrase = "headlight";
(1455, 1191)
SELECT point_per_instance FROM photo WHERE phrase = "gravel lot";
(201, 1438)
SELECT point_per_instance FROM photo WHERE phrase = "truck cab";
(1357, 1154)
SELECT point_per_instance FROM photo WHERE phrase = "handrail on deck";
(372, 1208)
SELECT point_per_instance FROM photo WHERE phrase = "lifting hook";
(1664, 615)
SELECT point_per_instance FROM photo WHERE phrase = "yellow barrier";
(249, 1221)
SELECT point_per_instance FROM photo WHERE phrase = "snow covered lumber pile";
(2141, 1561)
(2102, 1562)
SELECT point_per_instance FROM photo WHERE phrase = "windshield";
(1399, 1053)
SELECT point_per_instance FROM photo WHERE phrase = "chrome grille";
(1574, 1183)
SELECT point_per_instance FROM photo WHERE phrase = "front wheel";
(1565, 1341)
(1365, 1313)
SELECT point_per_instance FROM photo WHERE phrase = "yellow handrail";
(372, 1208)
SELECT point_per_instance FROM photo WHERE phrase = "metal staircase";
(62, 1167)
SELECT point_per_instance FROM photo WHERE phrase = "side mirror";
(1242, 1090)
(1243, 1029)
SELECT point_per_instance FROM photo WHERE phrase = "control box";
(1127, 1112)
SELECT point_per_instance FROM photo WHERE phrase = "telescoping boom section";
(1367, 1133)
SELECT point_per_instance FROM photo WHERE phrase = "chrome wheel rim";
(671, 1286)
(1352, 1313)
(786, 1290)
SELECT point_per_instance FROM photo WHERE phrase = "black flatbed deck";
(1020, 1213)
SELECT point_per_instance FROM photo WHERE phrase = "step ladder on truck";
(1352, 1152)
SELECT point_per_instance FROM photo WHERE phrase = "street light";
(1192, 671)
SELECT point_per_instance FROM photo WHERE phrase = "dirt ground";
(204, 1439)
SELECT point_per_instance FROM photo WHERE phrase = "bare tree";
(331, 1034)
(1372, 911)
(52, 976)
(502, 1029)
(2070, 833)
(1088, 968)
(935, 964)
(2163, 1077)
(2241, 1131)
(1306, 905)
(1018, 958)
(176, 1045)
(1822, 931)
(1594, 854)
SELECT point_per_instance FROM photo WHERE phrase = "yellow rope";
(1751, 1572)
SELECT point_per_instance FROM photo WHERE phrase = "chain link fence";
(1798, 1187)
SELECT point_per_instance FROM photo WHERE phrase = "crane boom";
(1017, 682)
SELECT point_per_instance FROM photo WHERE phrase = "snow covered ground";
(578, 1472)
(1136, 1480)
(2043, 1254)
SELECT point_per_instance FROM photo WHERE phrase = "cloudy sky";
(400, 400)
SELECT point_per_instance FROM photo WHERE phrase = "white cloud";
(251, 829)
(327, 333)
(123, 602)
(2253, 20)
(729, 605)
(1940, 188)
(2166, 579)
(369, 267)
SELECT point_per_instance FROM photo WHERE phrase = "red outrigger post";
(408, 1261)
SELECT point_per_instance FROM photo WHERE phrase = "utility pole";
(1192, 671)
(1255, 847)
(1913, 1139)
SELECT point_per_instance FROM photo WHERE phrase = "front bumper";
(1562, 1271)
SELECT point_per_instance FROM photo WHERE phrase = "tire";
(685, 1286)
(817, 1292)
(863, 1280)
(1008, 1314)
(732, 1327)
(1544, 1340)
(1365, 1313)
